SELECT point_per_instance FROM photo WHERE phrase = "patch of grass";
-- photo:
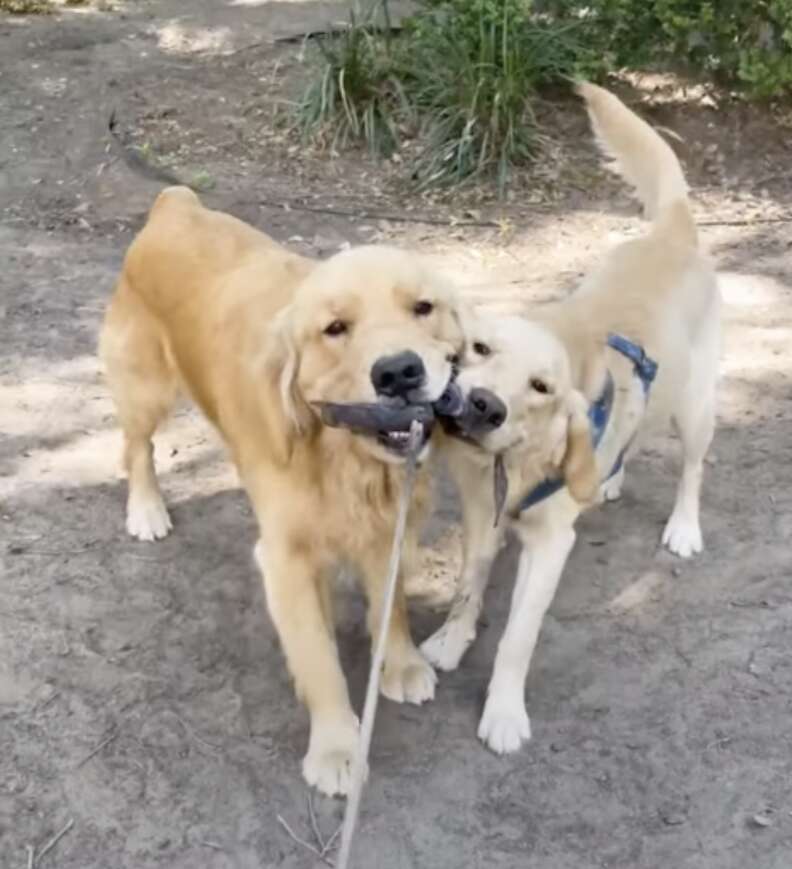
(202, 180)
(460, 78)
(357, 95)
(27, 7)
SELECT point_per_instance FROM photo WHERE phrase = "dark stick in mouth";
(376, 419)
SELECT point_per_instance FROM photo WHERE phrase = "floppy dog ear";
(579, 464)
(287, 413)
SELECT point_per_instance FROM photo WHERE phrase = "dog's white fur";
(660, 292)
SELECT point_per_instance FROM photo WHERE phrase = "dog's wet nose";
(451, 403)
(399, 374)
(487, 411)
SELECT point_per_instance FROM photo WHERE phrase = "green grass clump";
(357, 95)
(460, 77)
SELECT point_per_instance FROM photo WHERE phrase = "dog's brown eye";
(454, 360)
(539, 386)
(337, 327)
(481, 348)
(423, 308)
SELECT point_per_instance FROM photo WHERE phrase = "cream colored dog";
(536, 387)
(258, 336)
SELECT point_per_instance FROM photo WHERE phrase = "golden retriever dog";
(259, 337)
(554, 403)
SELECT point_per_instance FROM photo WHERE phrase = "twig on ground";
(98, 748)
(331, 841)
(749, 221)
(364, 214)
(191, 732)
(315, 823)
(51, 699)
(302, 842)
(212, 845)
(53, 842)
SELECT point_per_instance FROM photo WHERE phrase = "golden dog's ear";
(579, 464)
(288, 415)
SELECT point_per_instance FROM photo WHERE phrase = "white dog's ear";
(579, 464)
(287, 413)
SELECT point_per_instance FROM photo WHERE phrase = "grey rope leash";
(372, 692)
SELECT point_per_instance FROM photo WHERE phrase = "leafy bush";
(464, 73)
(358, 95)
(743, 42)
(476, 65)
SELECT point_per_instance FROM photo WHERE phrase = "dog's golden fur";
(658, 291)
(210, 306)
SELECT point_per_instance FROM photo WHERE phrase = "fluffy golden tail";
(645, 160)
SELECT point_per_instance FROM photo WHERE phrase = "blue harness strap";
(645, 368)
(599, 415)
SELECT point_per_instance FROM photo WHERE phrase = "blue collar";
(599, 415)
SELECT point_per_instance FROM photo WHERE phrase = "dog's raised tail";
(643, 158)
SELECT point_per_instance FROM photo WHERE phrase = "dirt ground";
(142, 692)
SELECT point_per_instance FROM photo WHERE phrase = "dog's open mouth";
(389, 423)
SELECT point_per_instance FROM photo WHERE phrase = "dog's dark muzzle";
(472, 417)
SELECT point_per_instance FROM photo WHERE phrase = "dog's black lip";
(452, 428)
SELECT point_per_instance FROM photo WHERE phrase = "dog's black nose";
(399, 374)
(487, 411)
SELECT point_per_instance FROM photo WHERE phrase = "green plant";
(475, 102)
(462, 75)
(742, 42)
(476, 67)
(357, 95)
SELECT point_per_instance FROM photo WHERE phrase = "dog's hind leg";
(144, 387)
(694, 419)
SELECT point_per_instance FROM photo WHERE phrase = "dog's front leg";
(295, 600)
(546, 545)
(406, 675)
(446, 646)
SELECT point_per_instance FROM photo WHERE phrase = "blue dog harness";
(599, 415)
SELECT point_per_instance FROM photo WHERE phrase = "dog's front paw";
(410, 680)
(611, 489)
(330, 759)
(504, 724)
(147, 518)
(682, 536)
(445, 648)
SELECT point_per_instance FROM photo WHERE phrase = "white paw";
(682, 536)
(504, 724)
(147, 518)
(330, 759)
(412, 680)
(611, 490)
(445, 648)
